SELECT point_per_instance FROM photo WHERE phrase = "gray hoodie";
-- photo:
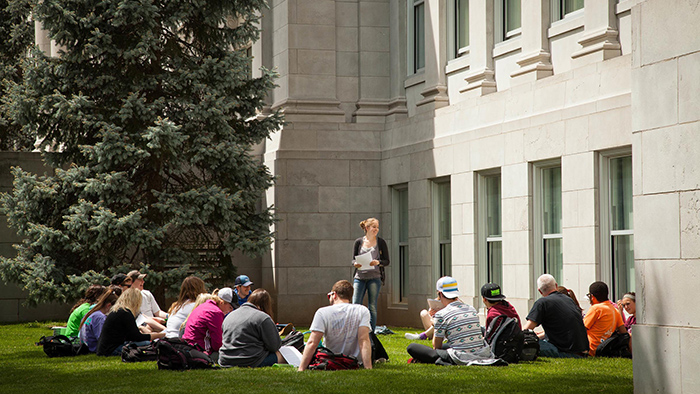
(249, 335)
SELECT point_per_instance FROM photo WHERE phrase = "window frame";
(484, 239)
(538, 217)
(559, 12)
(399, 249)
(500, 22)
(453, 27)
(439, 267)
(412, 34)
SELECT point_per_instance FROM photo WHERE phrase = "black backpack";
(378, 351)
(132, 353)
(62, 346)
(618, 345)
(295, 339)
(176, 354)
(531, 346)
(505, 337)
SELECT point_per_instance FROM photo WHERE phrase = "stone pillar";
(480, 80)
(435, 90)
(600, 36)
(535, 60)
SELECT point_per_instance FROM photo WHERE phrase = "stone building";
(495, 141)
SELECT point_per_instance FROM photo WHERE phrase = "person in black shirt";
(565, 334)
(120, 325)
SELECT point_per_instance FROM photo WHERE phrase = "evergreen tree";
(148, 116)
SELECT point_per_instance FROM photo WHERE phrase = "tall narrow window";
(400, 235)
(621, 226)
(551, 222)
(493, 229)
(418, 35)
(511, 17)
(560, 8)
(461, 26)
(442, 229)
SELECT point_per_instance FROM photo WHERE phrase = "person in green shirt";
(81, 308)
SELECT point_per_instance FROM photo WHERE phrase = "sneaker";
(412, 336)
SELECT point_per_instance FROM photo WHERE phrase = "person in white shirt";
(154, 317)
(191, 287)
(344, 327)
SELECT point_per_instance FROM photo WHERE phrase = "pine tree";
(148, 116)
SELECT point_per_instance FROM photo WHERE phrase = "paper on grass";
(365, 259)
(292, 355)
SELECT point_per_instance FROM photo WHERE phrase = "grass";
(26, 369)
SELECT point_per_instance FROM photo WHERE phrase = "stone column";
(600, 36)
(480, 80)
(535, 60)
(435, 90)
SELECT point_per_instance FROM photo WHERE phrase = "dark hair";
(261, 298)
(599, 290)
(191, 287)
(109, 296)
(571, 294)
(343, 289)
(91, 295)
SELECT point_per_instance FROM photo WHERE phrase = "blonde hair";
(129, 300)
(201, 299)
(368, 222)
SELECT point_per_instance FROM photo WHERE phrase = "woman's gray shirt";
(249, 335)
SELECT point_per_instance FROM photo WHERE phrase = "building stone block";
(348, 64)
(468, 218)
(312, 87)
(396, 170)
(420, 282)
(296, 253)
(346, 14)
(300, 309)
(515, 180)
(549, 98)
(690, 225)
(491, 112)
(315, 12)
(621, 100)
(465, 282)
(661, 275)
(334, 199)
(516, 283)
(419, 222)
(420, 251)
(688, 88)
(365, 173)
(281, 226)
(519, 105)
(318, 172)
(456, 217)
(375, 64)
(582, 89)
(462, 187)
(689, 349)
(315, 280)
(312, 37)
(318, 226)
(317, 62)
(348, 90)
(361, 141)
(336, 253)
(578, 172)
(544, 142)
(374, 14)
(443, 160)
(579, 244)
(663, 40)
(579, 209)
(374, 87)
(419, 194)
(515, 213)
(347, 39)
(610, 129)
(615, 77)
(374, 39)
(657, 235)
(364, 198)
(516, 249)
(656, 343)
(669, 157)
(655, 95)
(487, 153)
(576, 130)
(513, 149)
(298, 199)
(463, 250)
(422, 165)
(462, 160)
(293, 139)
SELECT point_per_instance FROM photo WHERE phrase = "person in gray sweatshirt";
(250, 337)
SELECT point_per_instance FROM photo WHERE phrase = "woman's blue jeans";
(372, 287)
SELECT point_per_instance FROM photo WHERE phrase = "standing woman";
(370, 280)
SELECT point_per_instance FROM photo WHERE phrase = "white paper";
(140, 319)
(435, 305)
(365, 259)
(292, 355)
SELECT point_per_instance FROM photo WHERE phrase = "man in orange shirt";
(602, 319)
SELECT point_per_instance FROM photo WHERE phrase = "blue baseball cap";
(243, 280)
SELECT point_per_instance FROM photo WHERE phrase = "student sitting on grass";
(120, 325)
(203, 327)
(91, 325)
(155, 318)
(250, 337)
(191, 287)
(81, 308)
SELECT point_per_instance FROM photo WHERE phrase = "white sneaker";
(412, 336)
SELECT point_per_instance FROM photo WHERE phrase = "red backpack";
(326, 360)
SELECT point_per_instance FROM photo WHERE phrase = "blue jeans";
(549, 350)
(372, 287)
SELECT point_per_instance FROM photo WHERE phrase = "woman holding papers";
(370, 256)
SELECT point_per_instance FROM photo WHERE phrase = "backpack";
(62, 346)
(378, 351)
(506, 338)
(325, 360)
(618, 345)
(531, 346)
(295, 339)
(176, 354)
(132, 353)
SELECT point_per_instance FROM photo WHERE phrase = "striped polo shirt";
(459, 323)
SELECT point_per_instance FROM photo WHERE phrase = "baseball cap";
(135, 274)
(226, 294)
(492, 292)
(118, 279)
(447, 285)
(243, 280)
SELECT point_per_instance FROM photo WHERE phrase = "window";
(617, 224)
(507, 19)
(560, 8)
(400, 235)
(461, 26)
(489, 228)
(547, 187)
(442, 230)
(416, 23)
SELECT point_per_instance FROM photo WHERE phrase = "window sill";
(399, 307)
(507, 46)
(570, 22)
(625, 5)
(415, 79)
(458, 64)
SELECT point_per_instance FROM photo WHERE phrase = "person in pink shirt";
(203, 327)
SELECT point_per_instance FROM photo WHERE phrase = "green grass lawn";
(24, 368)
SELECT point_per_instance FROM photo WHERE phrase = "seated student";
(120, 325)
(203, 327)
(426, 317)
(91, 325)
(250, 337)
(629, 305)
(458, 323)
(81, 308)
(122, 281)
(241, 288)
(191, 287)
(602, 318)
(572, 295)
(155, 318)
(201, 299)
(496, 303)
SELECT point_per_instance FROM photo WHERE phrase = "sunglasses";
(330, 293)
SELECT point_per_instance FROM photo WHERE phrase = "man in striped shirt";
(457, 324)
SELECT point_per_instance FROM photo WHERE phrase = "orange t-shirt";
(601, 321)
